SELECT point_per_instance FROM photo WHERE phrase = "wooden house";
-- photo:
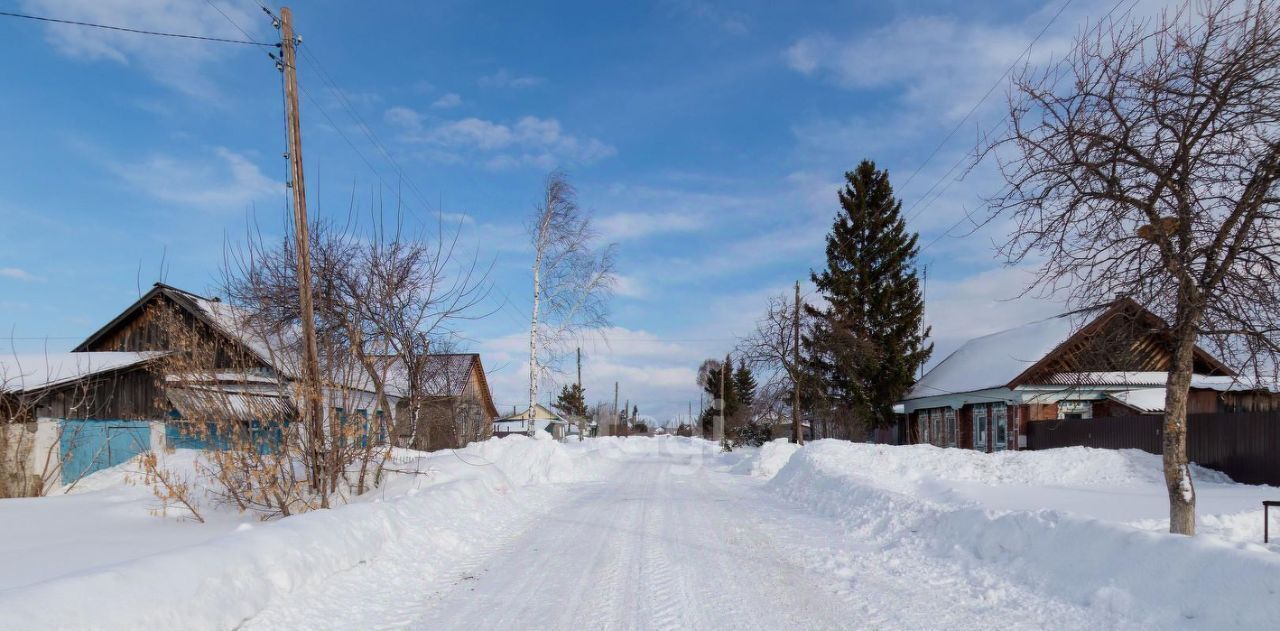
(539, 416)
(111, 391)
(458, 406)
(1109, 360)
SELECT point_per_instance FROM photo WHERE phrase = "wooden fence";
(1244, 445)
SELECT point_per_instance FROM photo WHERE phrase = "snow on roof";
(1221, 383)
(992, 361)
(28, 372)
(1148, 400)
(273, 349)
(541, 413)
(447, 374)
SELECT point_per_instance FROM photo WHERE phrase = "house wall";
(1016, 429)
(1202, 401)
(127, 394)
(18, 446)
(452, 422)
(1248, 402)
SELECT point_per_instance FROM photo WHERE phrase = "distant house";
(1109, 360)
(459, 406)
(541, 418)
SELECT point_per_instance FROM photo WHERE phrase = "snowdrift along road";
(669, 533)
(903, 497)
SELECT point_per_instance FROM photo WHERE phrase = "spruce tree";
(709, 378)
(572, 401)
(744, 386)
(867, 344)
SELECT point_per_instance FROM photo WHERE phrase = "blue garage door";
(89, 446)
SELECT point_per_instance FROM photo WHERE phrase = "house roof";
(994, 360)
(1145, 400)
(1013, 357)
(277, 350)
(540, 413)
(224, 318)
(26, 373)
(447, 376)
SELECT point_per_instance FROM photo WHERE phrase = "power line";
(233, 22)
(924, 202)
(999, 81)
(126, 29)
(364, 126)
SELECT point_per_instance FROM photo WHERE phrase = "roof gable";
(220, 318)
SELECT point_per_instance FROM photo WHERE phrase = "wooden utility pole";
(702, 407)
(582, 419)
(311, 388)
(614, 422)
(797, 432)
(924, 296)
(718, 430)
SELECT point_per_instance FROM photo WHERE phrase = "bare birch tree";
(772, 350)
(1149, 168)
(573, 278)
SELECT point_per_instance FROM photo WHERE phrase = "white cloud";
(937, 62)
(403, 117)
(632, 226)
(504, 78)
(447, 101)
(962, 308)
(731, 22)
(529, 141)
(629, 286)
(229, 182)
(174, 62)
(18, 274)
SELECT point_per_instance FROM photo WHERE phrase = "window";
(935, 424)
(980, 427)
(949, 420)
(1000, 419)
(922, 419)
(1075, 409)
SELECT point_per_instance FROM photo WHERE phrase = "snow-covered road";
(665, 543)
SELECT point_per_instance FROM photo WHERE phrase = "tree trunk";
(533, 338)
(1177, 473)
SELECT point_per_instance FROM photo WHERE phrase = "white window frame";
(922, 418)
(949, 420)
(999, 426)
(980, 427)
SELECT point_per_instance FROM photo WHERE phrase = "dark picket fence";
(1243, 445)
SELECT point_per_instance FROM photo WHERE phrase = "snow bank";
(766, 461)
(218, 584)
(893, 496)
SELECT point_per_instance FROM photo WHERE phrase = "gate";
(92, 445)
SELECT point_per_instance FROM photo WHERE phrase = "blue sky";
(708, 139)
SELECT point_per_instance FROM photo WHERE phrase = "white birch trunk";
(533, 335)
